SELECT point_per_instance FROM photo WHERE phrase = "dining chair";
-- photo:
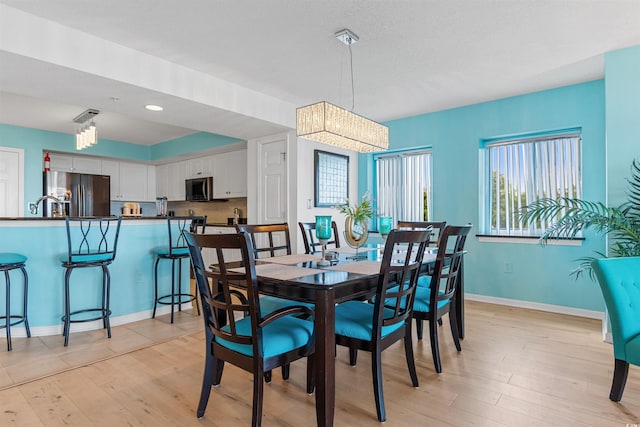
(237, 331)
(619, 279)
(373, 327)
(269, 240)
(308, 236)
(435, 297)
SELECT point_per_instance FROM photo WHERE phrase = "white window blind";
(525, 170)
(404, 186)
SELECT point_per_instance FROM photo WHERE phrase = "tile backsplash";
(216, 212)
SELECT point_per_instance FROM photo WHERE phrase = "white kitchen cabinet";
(77, 164)
(162, 181)
(201, 167)
(176, 174)
(129, 181)
(230, 174)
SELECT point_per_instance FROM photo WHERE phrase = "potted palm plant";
(621, 223)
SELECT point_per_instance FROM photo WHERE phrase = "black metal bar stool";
(176, 252)
(91, 243)
(8, 262)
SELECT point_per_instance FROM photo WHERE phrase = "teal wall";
(540, 274)
(622, 82)
(35, 141)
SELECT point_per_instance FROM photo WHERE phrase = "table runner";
(291, 259)
(280, 272)
(359, 267)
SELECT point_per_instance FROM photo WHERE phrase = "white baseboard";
(591, 314)
(19, 331)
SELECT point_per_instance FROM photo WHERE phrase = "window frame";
(486, 177)
(317, 179)
(400, 153)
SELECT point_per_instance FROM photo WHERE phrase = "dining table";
(299, 277)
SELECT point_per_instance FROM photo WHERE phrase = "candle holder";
(323, 234)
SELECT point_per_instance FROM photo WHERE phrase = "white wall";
(306, 212)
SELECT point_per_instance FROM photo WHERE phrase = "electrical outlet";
(508, 267)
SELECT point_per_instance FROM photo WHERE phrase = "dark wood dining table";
(298, 277)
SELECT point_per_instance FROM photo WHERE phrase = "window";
(403, 187)
(520, 171)
(331, 178)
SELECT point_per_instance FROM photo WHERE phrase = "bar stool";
(91, 243)
(176, 252)
(8, 262)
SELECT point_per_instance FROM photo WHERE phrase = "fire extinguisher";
(47, 162)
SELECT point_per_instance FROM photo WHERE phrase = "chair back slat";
(308, 236)
(436, 227)
(399, 277)
(267, 239)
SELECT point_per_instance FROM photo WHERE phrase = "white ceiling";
(239, 68)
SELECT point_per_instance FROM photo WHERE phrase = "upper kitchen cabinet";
(78, 164)
(130, 181)
(230, 174)
(201, 167)
(173, 186)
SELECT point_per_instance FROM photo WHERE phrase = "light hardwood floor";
(518, 367)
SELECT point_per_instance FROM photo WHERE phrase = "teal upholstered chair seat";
(619, 280)
(88, 257)
(281, 336)
(354, 319)
(8, 258)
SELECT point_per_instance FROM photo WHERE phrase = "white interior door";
(273, 182)
(11, 182)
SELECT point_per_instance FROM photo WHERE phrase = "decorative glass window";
(331, 178)
(403, 186)
(520, 171)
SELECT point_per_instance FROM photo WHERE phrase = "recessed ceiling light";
(152, 107)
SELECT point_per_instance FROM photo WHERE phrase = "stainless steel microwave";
(199, 189)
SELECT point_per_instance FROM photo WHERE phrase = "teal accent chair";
(619, 279)
(374, 327)
(237, 331)
(91, 243)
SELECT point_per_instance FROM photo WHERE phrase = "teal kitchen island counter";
(43, 241)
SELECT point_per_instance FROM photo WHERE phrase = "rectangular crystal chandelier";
(330, 124)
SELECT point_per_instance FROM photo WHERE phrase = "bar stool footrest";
(20, 318)
(178, 299)
(103, 316)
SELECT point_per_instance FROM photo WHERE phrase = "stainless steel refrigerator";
(81, 194)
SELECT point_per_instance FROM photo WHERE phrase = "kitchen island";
(44, 241)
